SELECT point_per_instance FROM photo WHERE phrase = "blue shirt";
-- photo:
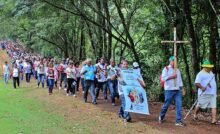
(90, 72)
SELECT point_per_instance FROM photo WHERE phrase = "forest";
(130, 29)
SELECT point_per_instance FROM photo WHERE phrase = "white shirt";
(15, 72)
(204, 78)
(112, 71)
(102, 74)
(71, 73)
(36, 63)
(6, 69)
(41, 69)
(78, 70)
(169, 84)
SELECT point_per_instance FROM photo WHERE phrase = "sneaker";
(128, 120)
(160, 120)
(65, 89)
(67, 95)
(180, 124)
(113, 104)
(60, 88)
(74, 95)
(120, 116)
(94, 103)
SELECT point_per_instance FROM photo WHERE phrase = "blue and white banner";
(135, 95)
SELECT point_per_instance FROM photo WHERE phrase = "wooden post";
(175, 42)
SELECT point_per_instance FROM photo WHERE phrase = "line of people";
(104, 76)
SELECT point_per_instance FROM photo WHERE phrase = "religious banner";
(135, 95)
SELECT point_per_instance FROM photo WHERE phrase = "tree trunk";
(213, 37)
(195, 61)
(127, 33)
(100, 33)
(109, 28)
(82, 54)
(91, 37)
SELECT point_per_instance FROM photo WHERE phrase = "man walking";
(89, 72)
(172, 92)
(205, 81)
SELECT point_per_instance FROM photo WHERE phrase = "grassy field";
(25, 115)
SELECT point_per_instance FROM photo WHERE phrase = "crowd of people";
(69, 75)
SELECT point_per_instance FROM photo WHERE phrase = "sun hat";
(135, 64)
(207, 64)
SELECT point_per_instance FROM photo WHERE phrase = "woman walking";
(15, 75)
(71, 80)
(50, 78)
(41, 74)
(6, 72)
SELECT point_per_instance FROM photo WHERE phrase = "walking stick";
(197, 100)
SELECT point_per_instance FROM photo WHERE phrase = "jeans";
(35, 75)
(6, 77)
(124, 114)
(41, 79)
(63, 78)
(103, 86)
(83, 83)
(112, 85)
(21, 76)
(169, 96)
(47, 82)
(89, 84)
(28, 77)
(16, 79)
(50, 85)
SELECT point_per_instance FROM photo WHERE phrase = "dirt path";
(108, 113)
(105, 115)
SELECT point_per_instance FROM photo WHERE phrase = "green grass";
(22, 115)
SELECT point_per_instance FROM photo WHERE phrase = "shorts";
(207, 101)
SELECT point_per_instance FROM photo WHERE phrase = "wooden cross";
(175, 42)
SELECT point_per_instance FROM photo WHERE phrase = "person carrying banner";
(207, 90)
(122, 113)
(172, 92)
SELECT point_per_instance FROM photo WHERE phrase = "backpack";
(161, 80)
